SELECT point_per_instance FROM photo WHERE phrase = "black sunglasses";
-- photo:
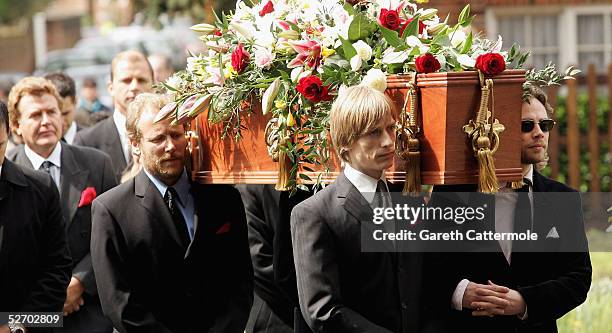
(545, 125)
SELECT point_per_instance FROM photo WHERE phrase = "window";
(566, 36)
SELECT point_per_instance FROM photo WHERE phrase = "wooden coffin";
(447, 102)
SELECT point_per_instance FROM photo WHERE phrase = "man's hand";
(5, 329)
(515, 304)
(74, 299)
(482, 297)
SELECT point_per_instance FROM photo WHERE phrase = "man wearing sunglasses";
(520, 286)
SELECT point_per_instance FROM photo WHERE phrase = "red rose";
(427, 63)
(389, 19)
(217, 33)
(240, 58)
(268, 8)
(405, 25)
(87, 196)
(491, 63)
(313, 89)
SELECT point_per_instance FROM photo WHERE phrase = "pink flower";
(309, 54)
(263, 58)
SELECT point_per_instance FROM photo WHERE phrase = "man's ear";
(109, 87)
(135, 147)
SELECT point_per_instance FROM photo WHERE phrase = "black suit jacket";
(82, 167)
(149, 282)
(105, 137)
(341, 288)
(552, 283)
(34, 257)
(268, 215)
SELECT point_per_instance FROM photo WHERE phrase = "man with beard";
(131, 74)
(170, 255)
(519, 286)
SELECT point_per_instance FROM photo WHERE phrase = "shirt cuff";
(524, 316)
(457, 300)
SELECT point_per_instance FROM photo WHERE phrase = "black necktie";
(522, 214)
(381, 198)
(46, 167)
(171, 198)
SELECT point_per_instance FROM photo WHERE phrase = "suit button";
(404, 306)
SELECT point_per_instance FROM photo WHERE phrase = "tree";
(13, 10)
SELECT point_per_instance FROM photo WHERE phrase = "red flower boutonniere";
(87, 196)
(225, 228)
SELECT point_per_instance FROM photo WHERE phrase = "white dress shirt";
(70, 133)
(185, 199)
(55, 158)
(120, 120)
(505, 204)
(365, 184)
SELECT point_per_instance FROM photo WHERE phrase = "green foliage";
(13, 10)
(605, 160)
(594, 315)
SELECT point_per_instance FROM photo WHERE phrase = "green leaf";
(522, 60)
(413, 28)
(305, 177)
(349, 8)
(392, 37)
(464, 15)
(347, 47)
(360, 27)
(468, 21)
(467, 44)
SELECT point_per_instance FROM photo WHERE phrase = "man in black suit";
(275, 303)
(35, 261)
(341, 287)
(66, 88)
(170, 255)
(513, 289)
(131, 74)
(80, 173)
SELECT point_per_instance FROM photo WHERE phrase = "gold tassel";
(284, 168)
(412, 184)
(487, 180)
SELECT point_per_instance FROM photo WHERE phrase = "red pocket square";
(87, 196)
(224, 228)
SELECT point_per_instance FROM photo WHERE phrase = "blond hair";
(356, 111)
(31, 85)
(142, 102)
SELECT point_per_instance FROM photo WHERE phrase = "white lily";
(466, 61)
(356, 62)
(243, 28)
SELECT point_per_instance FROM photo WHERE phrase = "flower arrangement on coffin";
(294, 56)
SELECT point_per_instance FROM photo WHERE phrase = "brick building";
(566, 32)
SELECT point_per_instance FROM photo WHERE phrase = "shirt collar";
(365, 184)
(119, 120)
(529, 173)
(70, 133)
(37, 160)
(182, 186)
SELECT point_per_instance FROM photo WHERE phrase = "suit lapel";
(73, 180)
(21, 158)
(153, 202)
(352, 201)
(113, 145)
